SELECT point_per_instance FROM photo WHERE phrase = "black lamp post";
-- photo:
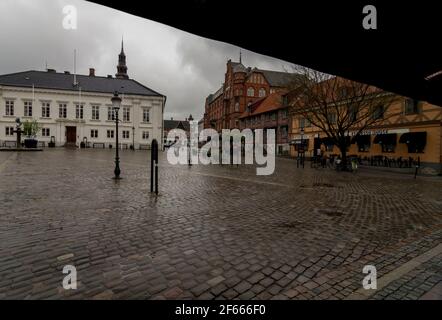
(18, 131)
(116, 103)
(133, 138)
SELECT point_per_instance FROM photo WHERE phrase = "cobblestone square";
(213, 232)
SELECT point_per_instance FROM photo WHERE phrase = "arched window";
(250, 92)
(262, 92)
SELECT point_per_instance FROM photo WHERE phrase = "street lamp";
(116, 103)
(133, 138)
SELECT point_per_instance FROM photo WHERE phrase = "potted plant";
(30, 130)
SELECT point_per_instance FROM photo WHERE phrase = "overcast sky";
(184, 67)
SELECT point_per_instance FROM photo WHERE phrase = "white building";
(75, 108)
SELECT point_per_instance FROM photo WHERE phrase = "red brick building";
(241, 88)
(270, 112)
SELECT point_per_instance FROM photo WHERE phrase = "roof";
(238, 67)
(274, 78)
(270, 103)
(176, 124)
(63, 81)
(278, 78)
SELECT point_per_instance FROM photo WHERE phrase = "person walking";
(354, 164)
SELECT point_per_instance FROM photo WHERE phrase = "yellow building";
(411, 129)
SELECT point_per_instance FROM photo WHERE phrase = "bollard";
(154, 167)
(418, 164)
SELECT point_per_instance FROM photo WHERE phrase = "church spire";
(121, 67)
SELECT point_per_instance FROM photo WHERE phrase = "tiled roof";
(277, 78)
(63, 81)
(270, 103)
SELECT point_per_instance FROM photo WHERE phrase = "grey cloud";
(180, 65)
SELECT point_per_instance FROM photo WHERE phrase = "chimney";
(91, 72)
(51, 70)
(109, 76)
(171, 118)
(67, 72)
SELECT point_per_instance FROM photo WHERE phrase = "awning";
(361, 139)
(327, 141)
(414, 138)
(387, 138)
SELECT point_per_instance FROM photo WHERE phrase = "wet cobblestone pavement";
(214, 232)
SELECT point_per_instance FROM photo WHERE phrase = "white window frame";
(146, 111)
(62, 111)
(110, 114)
(45, 110)
(126, 114)
(262, 92)
(27, 108)
(94, 133)
(9, 131)
(79, 111)
(95, 112)
(9, 107)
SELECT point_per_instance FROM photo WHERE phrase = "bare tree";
(338, 106)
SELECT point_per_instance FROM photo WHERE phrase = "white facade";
(134, 128)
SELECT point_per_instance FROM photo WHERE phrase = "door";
(71, 135)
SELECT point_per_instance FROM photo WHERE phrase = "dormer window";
(262, 92)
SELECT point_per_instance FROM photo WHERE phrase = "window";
(110, 134)
(284, 131)
(284, 114)
(45, 132)
(110, 114)
(411, 106)
(28, 109)
(95, 112)
(250, 92)
(352, 113)
(94, 133)
(45, 110)
(236, 106)
(126, 114)
(343, 92)
(378, 112)
(274, 116)
(304, 123)
(145, 135)
(146, 115)
(79, 111)
(9, 131)
(125, 134)
(332, 118)
(262, 92)
(9, 107)
(62, 111)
